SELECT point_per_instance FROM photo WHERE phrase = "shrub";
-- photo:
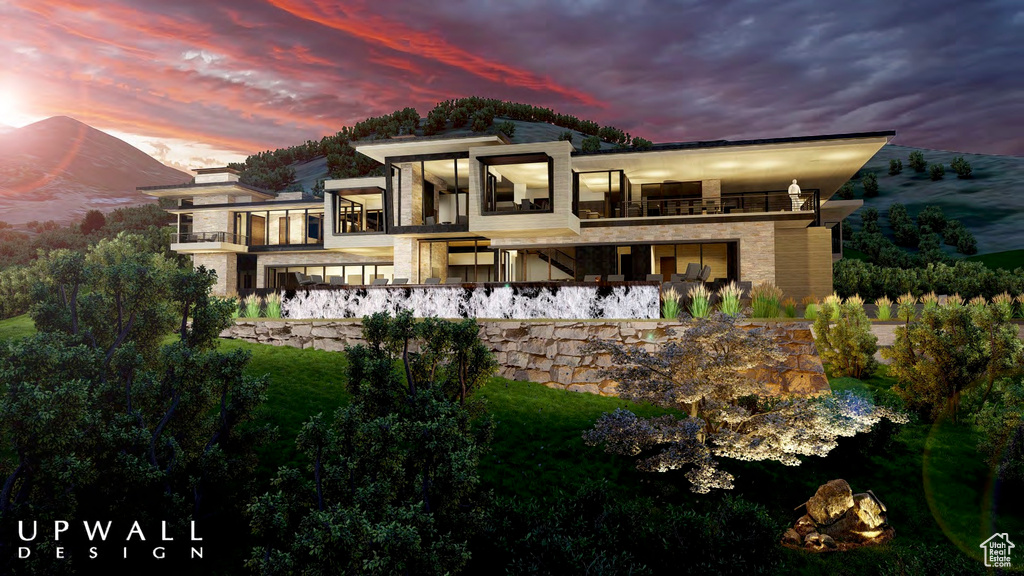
(884, 308)
(483, 119)
(833, 300)
(845, 192)
(765, 299)
(507, 128)
(870, 183)
(810, 308)
(789, 308)
(273, 305)
(961, 167)
(936, 171)
(906, 307)
(906, 235)
(700, 301)
(843, 336)
(895, 167)
(251, 306)
(966, 244)
(567, 136)
(933, 218)
(670, 304)
(729, 299)
(869, 221)
(591, 144)
(917, 161)
(642, 143)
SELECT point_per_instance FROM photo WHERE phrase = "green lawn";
(17, 327)
(1009, 260)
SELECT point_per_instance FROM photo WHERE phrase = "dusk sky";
(199, 82)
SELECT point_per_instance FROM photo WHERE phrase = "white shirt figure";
(794, 195)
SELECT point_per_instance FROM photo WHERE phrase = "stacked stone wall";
(553, 352)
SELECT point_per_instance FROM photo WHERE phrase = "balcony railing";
(194, 237)
(731, 203)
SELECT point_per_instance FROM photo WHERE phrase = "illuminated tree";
(725, 410)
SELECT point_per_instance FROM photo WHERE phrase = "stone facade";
(554, 352)
(226, 266)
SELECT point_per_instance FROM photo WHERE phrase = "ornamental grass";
(670, 304)
(729, 296)
(884, 306)
(700, 301)
(765, 299)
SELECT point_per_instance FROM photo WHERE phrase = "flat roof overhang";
(207, 247)
(816, 162)
(383, 149)
(356, 186)
(207, 189)
(839, 210)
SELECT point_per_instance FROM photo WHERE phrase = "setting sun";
(10, 107)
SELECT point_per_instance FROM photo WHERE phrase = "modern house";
(477, 208)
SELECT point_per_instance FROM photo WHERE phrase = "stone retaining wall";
(552, 351)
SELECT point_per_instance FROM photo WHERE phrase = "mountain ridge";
(59, 168)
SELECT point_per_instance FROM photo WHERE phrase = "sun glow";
(10, 115)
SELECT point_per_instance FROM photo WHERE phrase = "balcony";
(780, 202)
(199, 242)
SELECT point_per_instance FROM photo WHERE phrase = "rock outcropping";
(838, 519)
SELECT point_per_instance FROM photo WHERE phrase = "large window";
(436, 193)
(350, 274)
(601, 194)
(520, 183)
(280, 227)
(357, 213)
(470, 259)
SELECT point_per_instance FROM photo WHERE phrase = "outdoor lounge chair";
(336, 280)
(380, 282)
(617, 278)
(655, 277)
(705, 273)
(317, 280)
(400, 281)
(453, 280)
(677, 278)
(692, 272)
(432, 281)
(303, 280)
(592, 278)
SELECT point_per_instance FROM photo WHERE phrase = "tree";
(961, 167)
(100, 419)
(932, 218)
(393, 475)
(591, 144)
(844, 339)
(1001, 423)
(93, 221)
(870, 183)
(917, 161)
(936, 171)
(715, 376)
(507, 128)
(567, 136)
(846, 191)
(936, 357)
(869, 221)
(895, 166)
(642, 143)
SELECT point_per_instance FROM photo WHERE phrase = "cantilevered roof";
(817, 162)
(207, 189)
(369, 185)
(417, 146)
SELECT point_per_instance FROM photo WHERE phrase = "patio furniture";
(692, 272)
(317, 279)
(617, 278)
(677, 278)
(400, 281)
(655, 277)
(453, 280)
(705, 273)
(303, 280)
(432, 281)
(592, 278)
(336, 280)
(380, 282)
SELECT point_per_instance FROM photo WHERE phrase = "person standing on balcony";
(794, 195)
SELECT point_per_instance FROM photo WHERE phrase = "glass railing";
(193, 237)
(730, 203)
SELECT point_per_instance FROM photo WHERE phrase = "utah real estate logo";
(997, 550)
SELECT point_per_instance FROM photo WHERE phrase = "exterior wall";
(756, 241)
(803, 262)
(407, 259)
(554, 353)
(560, 221)
(226, 266)
(205, 221)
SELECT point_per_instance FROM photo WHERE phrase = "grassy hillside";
(989, 203)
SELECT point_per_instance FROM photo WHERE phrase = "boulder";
(792, 538)
(804, 525)
(830, 502)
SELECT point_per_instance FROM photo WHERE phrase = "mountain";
(989, 203)
(59, 168)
